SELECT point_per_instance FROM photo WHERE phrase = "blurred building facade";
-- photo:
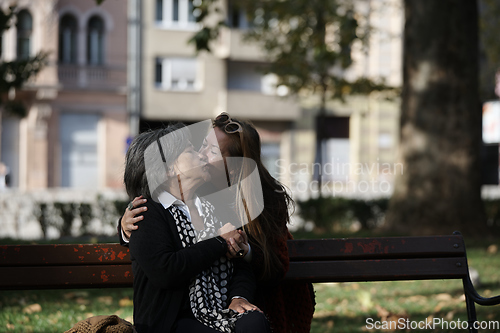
(125, 66)
(82, 109)
(75, 131)
(179, 85)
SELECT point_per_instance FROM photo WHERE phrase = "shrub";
(329, 213)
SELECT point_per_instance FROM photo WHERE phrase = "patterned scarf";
(208, 292)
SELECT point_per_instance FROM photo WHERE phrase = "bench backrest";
(325, 260)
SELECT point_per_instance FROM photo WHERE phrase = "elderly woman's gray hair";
(149, 156)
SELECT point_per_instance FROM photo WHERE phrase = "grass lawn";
(344, 307)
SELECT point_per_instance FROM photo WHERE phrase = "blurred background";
(321, 81)
(382, 117)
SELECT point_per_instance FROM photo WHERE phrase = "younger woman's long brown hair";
(271, 225)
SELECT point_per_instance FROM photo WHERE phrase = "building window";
(9, 151)
(79, 150)
(24, 27)
(176, 14)
(95, 41)
(177, 74)
(67, 39)
(270, 154)
(237, 16)
(249, 76)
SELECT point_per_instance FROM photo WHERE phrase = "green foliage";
(62, 215)
(86, 215)
(109, 211)
(308, 43)
(492, 209)
(66, 211)
(337, 213)
(489, 46)
(6, 18)
(14, 74)
(48, 311)
(208, 33)
(120, 206)
(328, 213)
(42, 215)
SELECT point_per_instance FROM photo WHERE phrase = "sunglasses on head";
(229, 126)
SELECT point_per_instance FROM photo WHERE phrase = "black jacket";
(163, 270)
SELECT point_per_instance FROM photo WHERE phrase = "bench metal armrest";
(472, 293)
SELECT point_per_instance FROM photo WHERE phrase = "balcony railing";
(92, 77)
(241, 103)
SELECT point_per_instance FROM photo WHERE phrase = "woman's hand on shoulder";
(129, 217)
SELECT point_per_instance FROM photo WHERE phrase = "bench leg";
(471, 310)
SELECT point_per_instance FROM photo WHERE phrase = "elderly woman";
(183, 281)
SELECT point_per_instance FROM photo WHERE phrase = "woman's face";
(192, 165)
(213, 148)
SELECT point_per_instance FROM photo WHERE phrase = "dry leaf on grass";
(444, 297)
(124, 302)
(417, 299)
(392, 319)
(82, 301)
(108, 300)
(32, 308)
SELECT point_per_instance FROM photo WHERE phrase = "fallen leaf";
(108, 300)
(124, 302)
(450, 315)
(417, 299)
(82, 301)
(10, 326)
(443, 297)
(492, 249)
(32, 308)
(381, 312)
(392, 319)
(439, 306)
(69, 295)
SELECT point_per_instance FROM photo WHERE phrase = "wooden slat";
(63, 254)
(325, 249)
(64, 277)
(373, 248)
(378, 270)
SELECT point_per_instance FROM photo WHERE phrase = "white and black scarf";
(208, 292)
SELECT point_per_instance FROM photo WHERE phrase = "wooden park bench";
(319, 260)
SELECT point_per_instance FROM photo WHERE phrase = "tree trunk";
(439, 190)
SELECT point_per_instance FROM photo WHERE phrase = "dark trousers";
(253, 322)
